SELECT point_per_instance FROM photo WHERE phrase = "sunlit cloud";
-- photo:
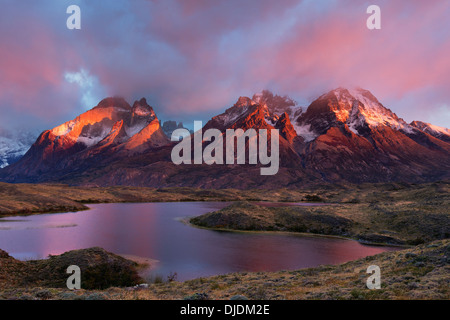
(90, 89)
(193, 58)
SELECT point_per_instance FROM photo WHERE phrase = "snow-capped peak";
(431, 129)
(361, 107)
(94, 125)
(356, 107)
(231, 115)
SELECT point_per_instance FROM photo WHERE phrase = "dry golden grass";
(412, 213)
(416, 273)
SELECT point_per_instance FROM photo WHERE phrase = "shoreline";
(423, 265)
(293, 233)
(86, 204)
(145, 265)
(186, 220)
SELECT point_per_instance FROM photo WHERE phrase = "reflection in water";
(153, 230)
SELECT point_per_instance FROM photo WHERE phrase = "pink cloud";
(200, 55)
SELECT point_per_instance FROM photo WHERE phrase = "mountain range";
(14, 144)
(342, 136)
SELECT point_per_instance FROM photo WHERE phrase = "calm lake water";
(154, 230)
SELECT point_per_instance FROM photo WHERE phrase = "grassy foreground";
(383, 213)
(416, 273)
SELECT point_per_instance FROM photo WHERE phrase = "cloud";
(196, 57)
(90, 90)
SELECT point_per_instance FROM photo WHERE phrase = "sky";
(192, 59)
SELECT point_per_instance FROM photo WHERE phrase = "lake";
(155, 230)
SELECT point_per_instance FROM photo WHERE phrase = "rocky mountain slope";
(351, 135)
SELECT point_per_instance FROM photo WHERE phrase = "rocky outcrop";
(99, 268)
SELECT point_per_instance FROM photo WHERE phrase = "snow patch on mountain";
(295, 112)
(271, 121)
(63, 129)
(360, 107)
(305, 131)
(13, 146)
(430, 128)
(131, 131)
(142, 111)
(345, 103)
(93, 134)
(90, 141)
(229, 118)
(231, 115)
